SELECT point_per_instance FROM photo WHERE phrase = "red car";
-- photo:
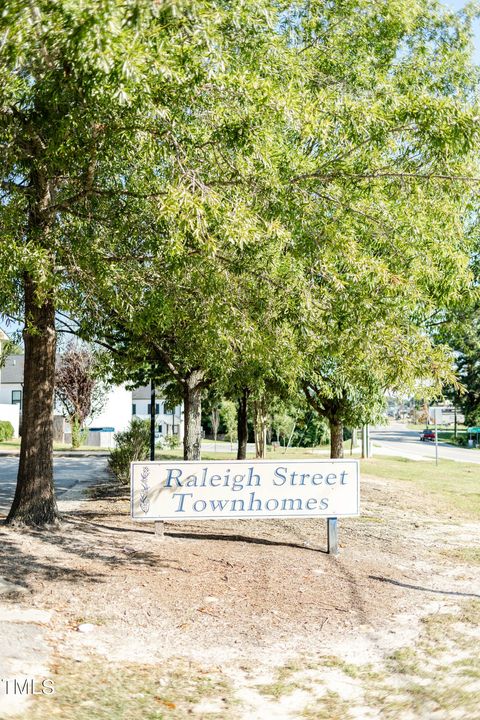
(427, 434)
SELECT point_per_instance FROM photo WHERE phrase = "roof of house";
(142, 393)
(12, 371)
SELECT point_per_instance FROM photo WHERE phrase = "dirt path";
(252, 619)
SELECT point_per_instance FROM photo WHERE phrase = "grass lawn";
(14, 444)
(291, 454)
(455, 483)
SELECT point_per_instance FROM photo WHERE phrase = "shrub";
(132, 445)
(6, 430)
(172, 442)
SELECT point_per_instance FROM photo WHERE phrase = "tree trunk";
(260, 426)
(76, 428)
(215, 424)
(336, 439)
(34, 502)
(192, 398)
(242, 425)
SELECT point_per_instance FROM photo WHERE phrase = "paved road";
(68, 472)
(397, 440)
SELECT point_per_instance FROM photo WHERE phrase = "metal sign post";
(152, 420)
(332, 536)
(366, 449)
(436, 411)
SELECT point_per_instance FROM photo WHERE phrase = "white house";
(168, 421)
(11, 389)
(120, 406)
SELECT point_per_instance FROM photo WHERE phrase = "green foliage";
(228, 417)
(461, 330)
(267, 196)
(171, 441)
(282, 425)
(311, 431)
(6, 430)
(132, 445)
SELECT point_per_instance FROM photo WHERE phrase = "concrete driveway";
(69, 473)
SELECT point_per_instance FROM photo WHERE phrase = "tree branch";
(374, 175)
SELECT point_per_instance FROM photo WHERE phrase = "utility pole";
(152, 420)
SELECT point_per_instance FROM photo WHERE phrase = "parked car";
(427, 434)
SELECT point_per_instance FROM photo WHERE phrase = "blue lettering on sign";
(182, 497)
(279, 475)
(186, 502)
(171, 476)
(253, 499)
(255, 504)
(237, 482)
(218, 504)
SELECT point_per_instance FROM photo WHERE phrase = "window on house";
(134, 409)
(157, 408)
(17, 398)
(160, 429)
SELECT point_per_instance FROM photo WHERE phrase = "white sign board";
(218, 489)
(436, 413)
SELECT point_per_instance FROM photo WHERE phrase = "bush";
(172, 442)
(132, 445)
(6, 430)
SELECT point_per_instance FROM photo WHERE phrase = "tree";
(187, 330)
(381, 213)
(345, 187)
(69, 98)
(207, 294)
(228, 416)
(77, 389)
(98, 134)
(460, 329)
(236, 145)
(386, 347)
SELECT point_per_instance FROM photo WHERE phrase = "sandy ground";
(261, 602)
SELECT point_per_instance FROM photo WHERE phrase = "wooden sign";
(219, 489)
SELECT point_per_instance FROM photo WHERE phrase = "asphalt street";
(397, 440)
(68, 473)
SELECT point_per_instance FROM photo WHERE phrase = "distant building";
(167, 421)
(11, 381)
(11, 388)
(120, 406)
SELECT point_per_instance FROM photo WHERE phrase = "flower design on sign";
(144, 500)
